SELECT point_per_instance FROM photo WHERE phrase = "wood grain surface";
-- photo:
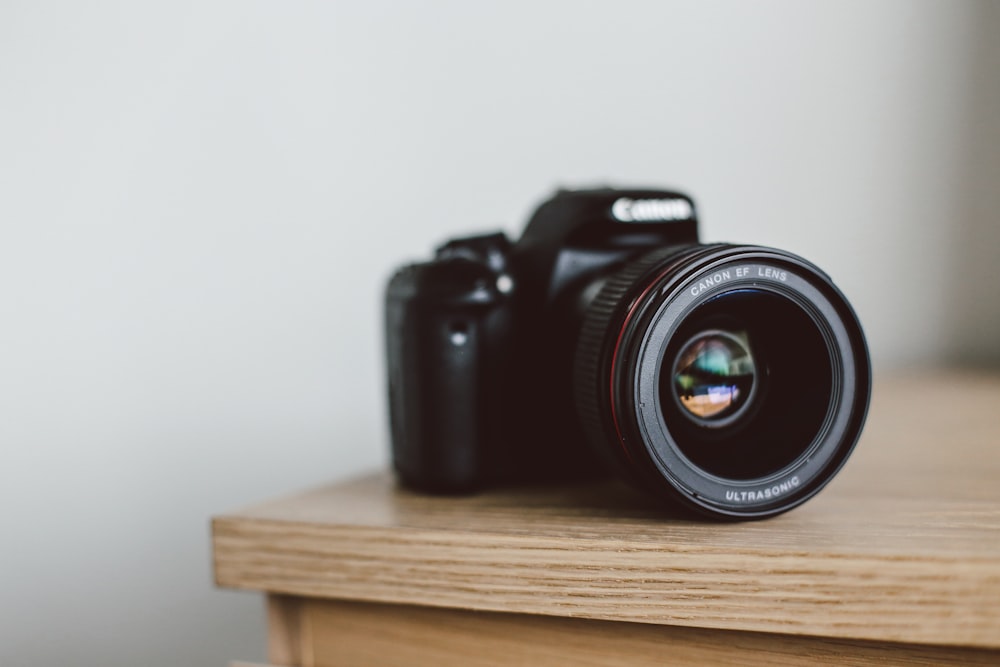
(904, 546)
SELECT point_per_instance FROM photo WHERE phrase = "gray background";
(200, 203)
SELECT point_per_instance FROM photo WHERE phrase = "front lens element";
(715, 404)
(714, 376)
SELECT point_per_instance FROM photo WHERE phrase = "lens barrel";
(735, 379)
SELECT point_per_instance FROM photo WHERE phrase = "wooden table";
(898, 559)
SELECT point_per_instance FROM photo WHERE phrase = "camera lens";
(734, 378)
(713, 377)
(769, 426)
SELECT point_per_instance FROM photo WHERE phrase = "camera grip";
(442, 323)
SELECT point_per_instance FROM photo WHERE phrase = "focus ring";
(592, 363)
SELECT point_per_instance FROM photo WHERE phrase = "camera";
(729, 379)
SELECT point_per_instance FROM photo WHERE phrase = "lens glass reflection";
(714, 375)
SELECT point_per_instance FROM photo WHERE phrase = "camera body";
(560, 357)
(479, 363)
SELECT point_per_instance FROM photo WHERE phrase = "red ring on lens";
(612, 394)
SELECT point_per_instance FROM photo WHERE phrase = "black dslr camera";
(732, 378)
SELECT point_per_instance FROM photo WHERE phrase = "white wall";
(199, 203)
